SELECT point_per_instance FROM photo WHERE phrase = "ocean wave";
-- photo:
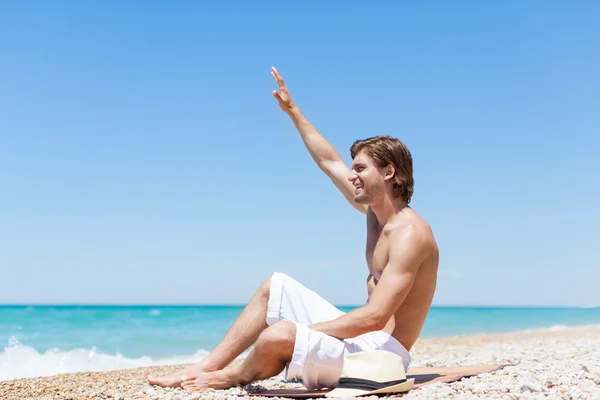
(558, 328)
(21, 361)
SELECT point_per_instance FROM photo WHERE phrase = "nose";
(352, 176)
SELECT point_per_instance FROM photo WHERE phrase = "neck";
(386, 208)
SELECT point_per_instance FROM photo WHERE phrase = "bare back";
(408, 320)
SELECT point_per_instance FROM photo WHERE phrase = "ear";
(390, 172)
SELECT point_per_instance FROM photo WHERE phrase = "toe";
(165, 381)
(191, 387)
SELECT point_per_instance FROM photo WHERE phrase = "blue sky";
(144, 160)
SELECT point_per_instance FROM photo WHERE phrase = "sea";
(42, 340)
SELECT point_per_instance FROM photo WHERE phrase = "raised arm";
(324, 154)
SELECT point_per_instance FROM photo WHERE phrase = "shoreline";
(533, 332)
(541, 364)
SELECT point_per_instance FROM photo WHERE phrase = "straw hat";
(372, 372)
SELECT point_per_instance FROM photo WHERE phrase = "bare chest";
(376, 251)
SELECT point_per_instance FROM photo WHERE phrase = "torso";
(407, 322)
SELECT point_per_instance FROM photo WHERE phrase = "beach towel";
(422, 376)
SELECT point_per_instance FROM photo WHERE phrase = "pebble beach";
(563, 364)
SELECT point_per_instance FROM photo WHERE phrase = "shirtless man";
(295, 329)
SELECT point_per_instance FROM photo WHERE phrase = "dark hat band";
(365, 384)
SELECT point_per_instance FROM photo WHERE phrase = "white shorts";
(318, 358)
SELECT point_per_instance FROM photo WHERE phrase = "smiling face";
(368, 180)
(381, 165)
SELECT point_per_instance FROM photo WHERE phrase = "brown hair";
(385, 150)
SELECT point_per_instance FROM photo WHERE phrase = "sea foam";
(21, 361)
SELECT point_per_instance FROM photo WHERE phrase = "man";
(292, 327)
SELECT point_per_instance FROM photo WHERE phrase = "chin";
(362, 199)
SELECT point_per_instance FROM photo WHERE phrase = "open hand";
(283, 96)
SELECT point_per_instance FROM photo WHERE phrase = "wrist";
(294, 112)
(316, 326)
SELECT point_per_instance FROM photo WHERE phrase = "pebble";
(584, 368)
(532, 387)
(564, 380)
(445, 391)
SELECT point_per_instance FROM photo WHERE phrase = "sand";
(556, 365)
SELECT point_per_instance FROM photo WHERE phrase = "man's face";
(367, 179)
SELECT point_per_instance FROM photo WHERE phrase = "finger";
(282, 103)
(278, 80)
(277, 76)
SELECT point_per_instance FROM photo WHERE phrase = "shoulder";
(414, 238)
(410, 234)
(409, 246)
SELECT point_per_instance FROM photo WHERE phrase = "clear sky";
(143, 158)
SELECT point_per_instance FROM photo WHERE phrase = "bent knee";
(280, 335)
(265, 288)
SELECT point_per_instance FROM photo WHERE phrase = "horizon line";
(80, 304)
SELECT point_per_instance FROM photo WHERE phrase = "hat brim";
(399, 388)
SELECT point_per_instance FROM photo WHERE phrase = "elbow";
(329, 163)
(380, 324)
(324, 165)
(377, 321)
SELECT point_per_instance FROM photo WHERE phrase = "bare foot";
(175, 379)
(223, 379)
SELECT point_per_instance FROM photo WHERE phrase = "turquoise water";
(43, 340)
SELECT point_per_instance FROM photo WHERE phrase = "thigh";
(290, 300)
